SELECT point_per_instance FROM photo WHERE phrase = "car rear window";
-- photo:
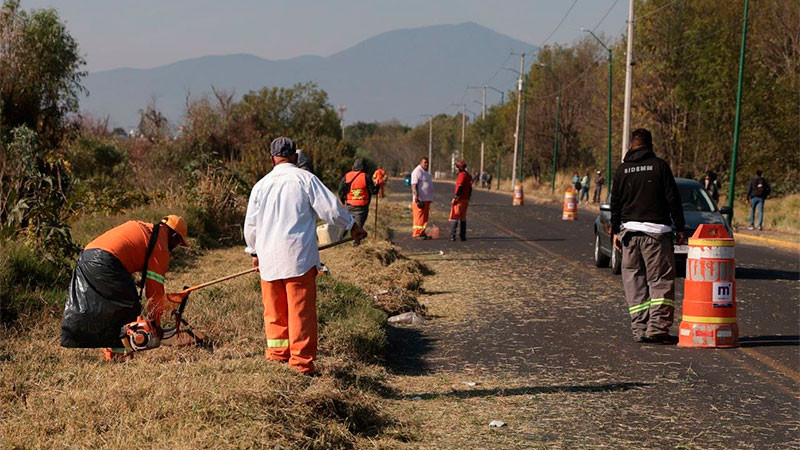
(695, 199)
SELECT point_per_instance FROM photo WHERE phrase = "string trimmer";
(146, 334)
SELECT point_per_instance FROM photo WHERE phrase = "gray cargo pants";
(359, 213)
(648, 274)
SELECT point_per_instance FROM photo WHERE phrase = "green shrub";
(29, 282)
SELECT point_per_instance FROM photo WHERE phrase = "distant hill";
(398, 74)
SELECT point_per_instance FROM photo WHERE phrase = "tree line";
(686, 56)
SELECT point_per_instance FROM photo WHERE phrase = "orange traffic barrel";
(570, 205)
(519, 196)
(709, 292)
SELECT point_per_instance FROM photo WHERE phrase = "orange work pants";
(381, 189)
(420, 218)
(290, 320)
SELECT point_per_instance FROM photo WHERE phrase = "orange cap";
(178, 225)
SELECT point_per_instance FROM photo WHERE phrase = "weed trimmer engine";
(142, 334)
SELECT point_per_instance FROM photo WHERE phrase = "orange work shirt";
(128, 242)
(379, 176)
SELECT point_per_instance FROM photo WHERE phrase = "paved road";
(753, 389)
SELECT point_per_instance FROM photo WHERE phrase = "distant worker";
(355, 191)
(711, 185)
(489, 181)
(599, 181)
(645, 202)
(757, 192)
(102, 295)
(379, 179)
(460, 202)
(303, 162)
(280, 234)
(576, 182)
(585, 184)
(421, 198)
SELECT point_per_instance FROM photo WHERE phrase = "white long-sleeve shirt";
(281, 219)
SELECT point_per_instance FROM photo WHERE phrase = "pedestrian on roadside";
(757, 192)
(645, 202)
(460, 202)
(379, 179)
(599, 181)
(576, 182)
(585, 183)
(280, 233)
(102, 296)
(711, 185)
(421, 198)
(489, 181)
(355, 191)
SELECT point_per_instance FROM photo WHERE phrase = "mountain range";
(399, 74)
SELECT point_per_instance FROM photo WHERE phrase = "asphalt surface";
(752, 392)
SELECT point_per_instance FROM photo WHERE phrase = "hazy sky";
(149, 33)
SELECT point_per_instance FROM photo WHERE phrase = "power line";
(606, 15)
(559, 24)
(657, 10)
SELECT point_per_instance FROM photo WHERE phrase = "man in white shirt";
(422, 196)
(280, 233)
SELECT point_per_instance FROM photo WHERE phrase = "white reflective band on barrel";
(711, 252)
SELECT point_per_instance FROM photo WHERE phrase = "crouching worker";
(280, 233)
(102, 295)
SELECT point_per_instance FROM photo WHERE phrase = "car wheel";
(600, 258)
(616, 262)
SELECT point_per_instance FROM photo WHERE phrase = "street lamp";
(558, 113)
(610, 84)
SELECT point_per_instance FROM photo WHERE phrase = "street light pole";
(555, 137)
(732, 177)
(626, 123)
(610, 86)
(517, 137)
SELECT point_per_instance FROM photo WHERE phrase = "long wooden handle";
(245, 272)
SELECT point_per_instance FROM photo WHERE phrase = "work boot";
(661, 339)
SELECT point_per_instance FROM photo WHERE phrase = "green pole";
(555, 140)
(608, 150)
(522, 136)
(499, 165)
(732, 187)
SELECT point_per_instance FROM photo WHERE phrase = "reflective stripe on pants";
(420, 218)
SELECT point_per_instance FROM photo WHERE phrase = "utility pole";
(626, 124)
(610, 85)
(732, 177)
(516, 128)
(342, 109)
(558, 114)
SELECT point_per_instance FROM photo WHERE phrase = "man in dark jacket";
(645, 201)
(757, 192)
(356, 190)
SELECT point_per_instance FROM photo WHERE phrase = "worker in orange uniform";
(102, 295)
(379, 179)
(421, 198)
(280, 233)
(458, 206)
(356, 190)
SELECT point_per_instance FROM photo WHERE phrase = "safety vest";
(358, 194)
(379, 176)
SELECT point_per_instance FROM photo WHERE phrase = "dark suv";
(698, 208)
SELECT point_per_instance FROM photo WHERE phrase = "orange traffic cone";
(709, 303)
(519, 195)
(570, 211)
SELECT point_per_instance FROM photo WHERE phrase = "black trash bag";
(101, 299)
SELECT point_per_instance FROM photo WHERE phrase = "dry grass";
(223, 396)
